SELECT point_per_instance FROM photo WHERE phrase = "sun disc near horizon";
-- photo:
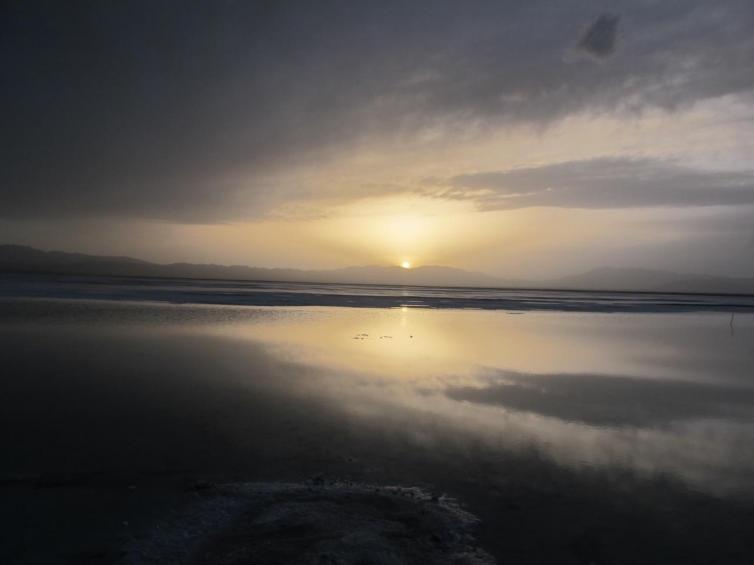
(406, 264)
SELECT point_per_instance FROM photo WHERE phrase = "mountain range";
(23, 259)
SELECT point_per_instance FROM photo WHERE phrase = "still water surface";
(571, 434)
(654, 393)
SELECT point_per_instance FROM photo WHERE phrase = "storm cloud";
(189, 112)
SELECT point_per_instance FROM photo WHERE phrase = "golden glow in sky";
(524, 151)
(400, 219)
(386, 231)
(397, 230)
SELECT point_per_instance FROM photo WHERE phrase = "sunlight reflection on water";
(653, 393)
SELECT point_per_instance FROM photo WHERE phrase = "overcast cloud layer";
(182, 111)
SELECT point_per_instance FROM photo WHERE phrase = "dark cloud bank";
(172, 110)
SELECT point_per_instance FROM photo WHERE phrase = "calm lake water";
(576, 437)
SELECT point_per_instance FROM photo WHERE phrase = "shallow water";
(261, 293)
(575, 436)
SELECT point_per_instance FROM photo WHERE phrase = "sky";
(527, 139)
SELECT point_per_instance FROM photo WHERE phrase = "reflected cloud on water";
(659, 393)
(653, 394)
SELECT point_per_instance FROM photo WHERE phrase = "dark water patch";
(612, 400)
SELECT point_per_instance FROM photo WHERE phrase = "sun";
(406, 264)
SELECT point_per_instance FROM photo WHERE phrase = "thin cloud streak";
(604, 183)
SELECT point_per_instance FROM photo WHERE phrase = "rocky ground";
(315, 523)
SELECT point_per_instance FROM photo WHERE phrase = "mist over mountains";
(22, 259)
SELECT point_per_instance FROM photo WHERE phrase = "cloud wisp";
(603, 183)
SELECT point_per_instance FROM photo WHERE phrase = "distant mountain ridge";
(650, 280)
(23, 259)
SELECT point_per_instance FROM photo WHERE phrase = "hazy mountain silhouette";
(613, 278)
(22, 259)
